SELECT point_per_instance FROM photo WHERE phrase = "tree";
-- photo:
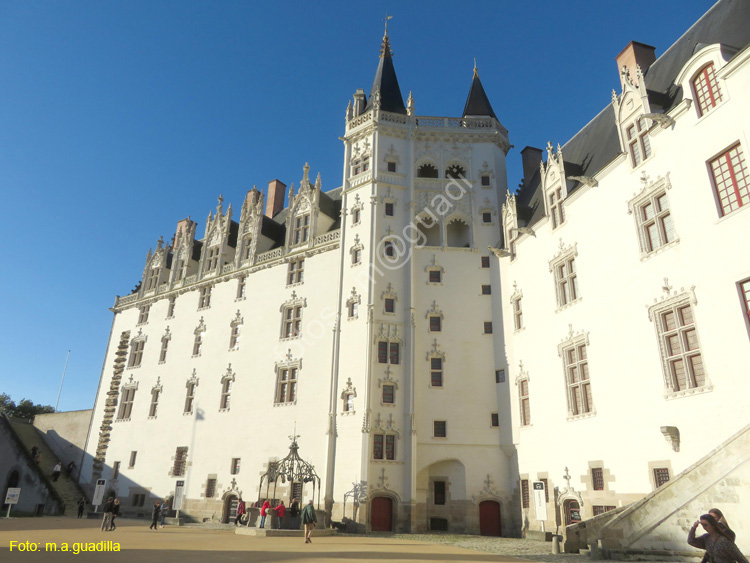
(24, 409)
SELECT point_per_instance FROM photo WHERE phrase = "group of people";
(111, 511)
(307, 514)
(158, 514)
(718, 541)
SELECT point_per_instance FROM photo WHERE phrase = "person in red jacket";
(263, 512)
(280, 510)
(240, 511)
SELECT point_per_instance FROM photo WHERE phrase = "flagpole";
(62, 380)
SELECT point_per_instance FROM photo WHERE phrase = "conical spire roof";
(386, 82)
(477, 104)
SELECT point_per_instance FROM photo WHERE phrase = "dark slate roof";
(387, 83)
(477, 103)
(597, 144)
(271, 229)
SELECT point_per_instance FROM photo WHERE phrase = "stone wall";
(65, 433)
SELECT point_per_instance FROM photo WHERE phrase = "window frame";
(204, 297)
(295, 271)
(577, 378)
(524, 402)
(437, 372)
(710, 85)
(301, 229)
(439, 428)
(127, 398)
(287, 379)
(741, 192)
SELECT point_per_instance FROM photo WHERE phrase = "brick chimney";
(275, 199)
(530, 157)
(635, 54)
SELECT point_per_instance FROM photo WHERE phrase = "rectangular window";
(133, 455)
(170, 308)
(499, 376)
(138, 499)
(234, 468)
(143, 314)
(577, 375)
(744, 287)
(494, 420)
(356, 256)
(213, 258)
(390, 447)
(556, 211)
(436, 372)
(546, 489)
(681, 355)
(296, 271)
(292, 322)
(488, 328)
(486, 217)
(394, 353)
(226, 392)
(204, 299)
(524, 493)
(439, 488)
(517, 314)
(377, 446)
(706, 89)
(566, 282)
(485, 181)
(639, 143)
(234, 336)
(198, 343)
(731, 179)
(153, 279)
(248, 248)
(388, 352)
(210, 488)
(389, 209)
(485, 261)
(301, 229)
(241, 287)
(356, 216)
(189, 398)
(435, 276)
(597, 478)
(435, 323)
(388, 394)
(163, 352)
(523, 398)
(655, 222)
(155, 393)
(180, 461)
(486, 290)
(126, 403)
(353, 307)
(391, 166)
(390, 305)
(389, 249)
(382, 352)
(115, 470)
(661, 476)
(439, 429)
(287, 386)
(136, 353)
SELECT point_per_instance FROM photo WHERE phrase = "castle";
(442, 351)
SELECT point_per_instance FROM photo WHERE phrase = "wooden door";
(489, 518)
(381, 514)
(572, 512)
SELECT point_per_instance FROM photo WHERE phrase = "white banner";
(177, 503)
(99, 492)
(540, 501)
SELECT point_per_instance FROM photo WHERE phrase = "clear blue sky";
(117, 119)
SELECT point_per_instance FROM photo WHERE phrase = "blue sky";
(117, 119)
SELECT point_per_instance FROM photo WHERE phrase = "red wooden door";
(381, 514)
(489, 518)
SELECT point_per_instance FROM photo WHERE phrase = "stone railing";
(328, 237)
(359, 120)
(191, 279)
(227, 268)
(270, 255)
(126, 300)
(360, 179)
(392, 117)
(455, 122)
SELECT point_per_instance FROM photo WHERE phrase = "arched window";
(455, 171)
(458, 233)
(707, 91)
(427, 170)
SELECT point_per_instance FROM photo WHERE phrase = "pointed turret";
(385, 86)
(477, 104)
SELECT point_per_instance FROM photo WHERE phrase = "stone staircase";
(65, 487)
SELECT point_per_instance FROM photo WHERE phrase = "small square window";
(435, 324)
(486, 289)
(494, 420)
(388, 394)
(488, 328)
(391, 167)
(436, 276)
(499, 376)
(661, 476)
(439, 429)
(389, 209)
(485, 261)
(356, 216)
(356, 256)
(235, 467)
(390, 305)
(486, 217)
(485, 180)
(389, 249)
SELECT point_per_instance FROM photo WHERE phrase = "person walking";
(716, 542)
(240, 511)
(280, 510)
(263, 512)
(81, 506)
(163, 509)
(56, 471)
(107, 519)
(309, 519)
(294, 514)
(115, 513)
(155, 516)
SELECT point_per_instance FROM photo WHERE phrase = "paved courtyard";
(190, 544)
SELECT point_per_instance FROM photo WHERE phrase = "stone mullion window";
(296, 271)
(153, 408)
(556, 211)
(524, 404)
(731, 179)
(301, 231)
(180, 461)
(639, 143)
(136, 352)
(127, 396)
(580, 399)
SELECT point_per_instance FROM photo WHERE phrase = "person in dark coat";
(81, 506)
(108, 507)
(308, 520)
(294, 514)
(115, 513)
(715, 541)
(240, 511)
(155, 512)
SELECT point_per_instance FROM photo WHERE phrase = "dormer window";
(707, 90)
(248, 248)
(556, 212)
(153, 279)
(302, 228)
(213, 258)
(427, 171)
(639, 144)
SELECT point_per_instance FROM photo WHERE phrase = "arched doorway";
(489, 518)
(229, 513)
(572, 512)
(381, 514)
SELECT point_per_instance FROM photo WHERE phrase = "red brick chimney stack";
(635, 54)
(275, 198)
